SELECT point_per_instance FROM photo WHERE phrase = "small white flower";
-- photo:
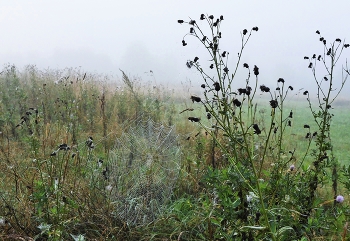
(2, 221)
(109, 188)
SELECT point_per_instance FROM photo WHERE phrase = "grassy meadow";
(55, 126)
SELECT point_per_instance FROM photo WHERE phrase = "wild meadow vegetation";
(246, 163)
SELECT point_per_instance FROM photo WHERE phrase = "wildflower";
(339, 199)
(305, 92)
(195, 99)
(245, 31)
(292, 167)
(245, 65)
(318, 32)
(202, 17)
(217, 86)
(256, 129)
(256, 70)
(192, 22)
(184, 43)
(263, 88)
(223, 54)
(338, 40)
(211, 17)
(226, 70)
(194, 119)
(280, 80)
(273, 103)
(237, 103)
(195, 59)
(203, 86)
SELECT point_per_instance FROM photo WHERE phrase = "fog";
(138, 36)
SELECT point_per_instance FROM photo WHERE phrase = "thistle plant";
(259, 183)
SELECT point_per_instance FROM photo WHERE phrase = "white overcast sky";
(142, 35)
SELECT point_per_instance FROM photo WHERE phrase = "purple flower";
(339, 199)
(292, 167)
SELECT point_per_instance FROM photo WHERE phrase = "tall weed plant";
(258, 186)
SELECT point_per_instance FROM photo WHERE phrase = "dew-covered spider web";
(144, 167)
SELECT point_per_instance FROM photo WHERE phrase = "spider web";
(144, 168)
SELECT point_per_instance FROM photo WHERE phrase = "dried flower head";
(226, 70)
(305, 57)
(346, 45)
(180, 21)
(245, 31)
(192, 22)
(307, 126)
(195, 99)
(310, 65)
(184, 43)
(195, 59)
(255, 28)
(217, 86)
(273, 103)
(338, 40)
(245, 65)
(256, 70)
(194, 119)
(256, 129)
(211, 66)
(280, 80)
(202, 16)
(223, 54)
(203, 86)
(211, 17)
(318, 32)
(292, 167)
(237, 103)
(204, 38)
(221, 17)
(290, 87)
(305, 92)
(263, 88)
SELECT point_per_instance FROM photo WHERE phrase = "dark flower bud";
(217, 86)
(275, 130)
(310, 65)
(226, 70)
(245, 31)
(314, 134)
(184, 43)
(216, 23)
(318, 32)
(53, 153)
(324, 42)
(219, 35)
(195, 59)
(194, 119)
(189, 64)
(180, 21)
(329, 51)
(204, 38)
(328, 106)
(346, 45)
(306, 57)
(263, 88)
(314, 56)
(290, 114)
(215, 47)
(192, 22)
(278, 88)
(256, 70)
(290, 87)
(202, 17)
(248, 90)
(319, 57)
(195, 99)
(307, 135)
(306, 126)
(237, 103)
(273, 103)
(305, 92)
(245, 65)
(211, 66)
(208, 116)
(221, 17)
(191, 30)
(280, 80)
(325, 78)
(255, 28)
(338, 40)
(203, 86)
(321, 39)
(223, 54)
(242, 91)
(211, 17)
(289, 123)
(256, 129)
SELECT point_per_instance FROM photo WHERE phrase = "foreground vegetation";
(269, 169)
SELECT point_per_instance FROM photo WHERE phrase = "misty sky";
(142, 35)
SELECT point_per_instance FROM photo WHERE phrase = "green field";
(50, 192)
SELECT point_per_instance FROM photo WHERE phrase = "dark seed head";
(346, 45)
(211, 66)
(180, 21)
(202, 17)
(223, 54)
(221, 17)
(245, 31)
(203, 86)
(256, 129)
(245, 65)
(290, 87)
(184, 43)
(255, 28)
(305, 92)
(263, 88)
(306, 126)
(194, 119)
(211, 17)
(195, 59)
(195, 99)
(338, 40)
(310, 65)
(305, 57)
(256, 70)
(204, 38)
(226, 70)
(273, 103)
(192, 22)
(280, 80)
(318, 32)
(237, 103)
(217, 86)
